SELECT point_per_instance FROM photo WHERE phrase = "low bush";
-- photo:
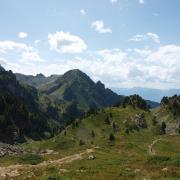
(158, 159)
(164, 160)
(31, 159)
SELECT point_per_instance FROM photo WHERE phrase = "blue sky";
(124, 43)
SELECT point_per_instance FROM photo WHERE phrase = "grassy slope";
(172, 122)
(125, 158)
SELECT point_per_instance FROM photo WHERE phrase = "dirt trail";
(13, 170)
(151, 149)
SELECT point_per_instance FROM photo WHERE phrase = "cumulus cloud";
(100, 27)
(142, 52)
(63, 42)
(83, 12)
(154, 37)
(24, 52)
(167, 56)
(138, 38)
(146, 37)
(23, 35)
(113, 1)
(141, 67)
(141, 1)
(36, 42)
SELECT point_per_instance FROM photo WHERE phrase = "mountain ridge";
(74, 85)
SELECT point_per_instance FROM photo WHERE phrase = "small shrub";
(31, 159)
(81, 142)
(47, 135)
(107, 120)
(93, 134)
(76, 124)
(163, 160)
(111, 137)
(110, 114)
(52, 170)
(54, 177)
(114, 126)
(179, 129)
(175, 160)
(163, 128)
(73, 125)
(65, 133)
(154, 121)
(127, 131)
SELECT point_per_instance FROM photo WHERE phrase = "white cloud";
(64, 42)
(157, 68)
(141, 1)
(142, 52)
(83, 12)
(113, 54)
(145, 37)
(167, 56)
(154, 37)
(138, 38)
(24, 52)
(3, 61)
(36, 42)
(23, 35)
(100, 27)
(113, 1)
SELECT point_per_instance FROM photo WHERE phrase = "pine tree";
(111, 137)
(92, 134)
(163, 128)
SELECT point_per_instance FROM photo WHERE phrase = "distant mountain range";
(147, 93)
(73, 86)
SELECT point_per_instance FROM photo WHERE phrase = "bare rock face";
(6, 149)
(140, 120)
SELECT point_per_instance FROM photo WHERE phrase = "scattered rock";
(97, 147)
(165, 169)
(63, 170)
(91, 157)
(137, 170)
(7, 149)
(13, 173)
(140, 120)
(47, 152)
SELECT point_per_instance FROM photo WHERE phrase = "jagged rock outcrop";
(6, 149)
